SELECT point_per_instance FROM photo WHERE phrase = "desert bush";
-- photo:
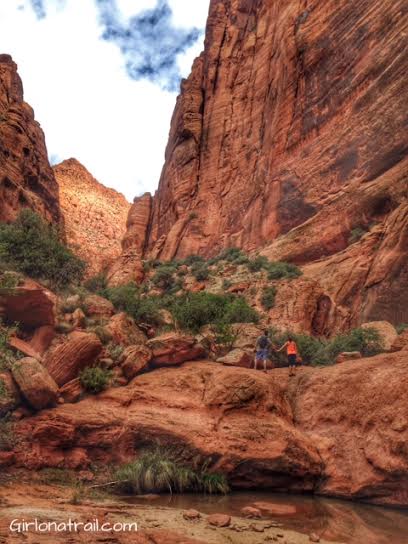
(356, 234)
(200, 271)
(164, 277)
(162, 469)
(226, 284)
(317, 351)
(114, 351)
(32, 247)
(7, 356)
(3, 390)
(195, 310)
(128, 298)
(102, 333)
(224, 334)
(95, 379)
(8, 438)
(280, 270)
(97, 284)
(8, 281)
(193, 259)
(268, 297)
(231, 254)
(401, 327)
(258, 263)
(367, 341)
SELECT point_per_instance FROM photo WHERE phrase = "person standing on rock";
(262, 349)
(292, 353)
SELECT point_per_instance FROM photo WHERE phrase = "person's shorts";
(262, 354)
(292, 359)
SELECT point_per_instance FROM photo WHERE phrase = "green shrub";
(63, 327)
(195, 310)
(102, 333)
(8, 281)
(200, 271)
(281, 270)
(192, 259)
(3, 390)
(129, 299)
(367, 341)
(356, 234)
(160, 469)
(97, 284)
(164, 277)
(115, 351)
(95, 379)
(224, 334)
(226, 284)
(231, 254)
(401, 327)
(8, 439)
(32, 247)
(268, 297)
(258, 263)
(7, 356)
(323, 352)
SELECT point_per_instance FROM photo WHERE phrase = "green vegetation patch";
(95, 379)
(32, 247)
(163, 470)
(268, 297)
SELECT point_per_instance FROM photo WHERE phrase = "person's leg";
(265, 358)
(255, 361)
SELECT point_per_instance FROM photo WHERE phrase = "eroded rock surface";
(26, 177)
(94, 216)
(339, 431)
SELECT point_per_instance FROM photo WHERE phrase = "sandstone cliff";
(289, 137)
(26, 177)
(95, 216)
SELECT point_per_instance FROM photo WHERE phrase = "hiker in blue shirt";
(262, 349)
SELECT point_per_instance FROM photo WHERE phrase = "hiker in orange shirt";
(292, 353)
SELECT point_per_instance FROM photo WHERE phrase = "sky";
(102, 77)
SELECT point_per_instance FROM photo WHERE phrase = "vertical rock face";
(94, 216)
(26, 178)
(293, 110)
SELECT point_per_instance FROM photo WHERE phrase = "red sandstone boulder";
(387, 332)
(78, 350)
(98, 307)
(124, 331)
(30, 305)
(174, 348)
(35, 383)
(72, 391)
(251, 512)
(191, 514)
(135, 359)
(237, 357)
(42, 338)
(401, 342)
(24, 347)
(219, 520)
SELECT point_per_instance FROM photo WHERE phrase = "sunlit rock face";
(95, 216)
(289, 137)
(293, 110)
(26, 177)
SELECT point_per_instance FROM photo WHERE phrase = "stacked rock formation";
(26, 177)
(94, 216)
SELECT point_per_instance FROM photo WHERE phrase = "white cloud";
(78, 86)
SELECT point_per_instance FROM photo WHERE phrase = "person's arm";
(284, 346)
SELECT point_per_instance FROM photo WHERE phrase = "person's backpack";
(263, 342)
